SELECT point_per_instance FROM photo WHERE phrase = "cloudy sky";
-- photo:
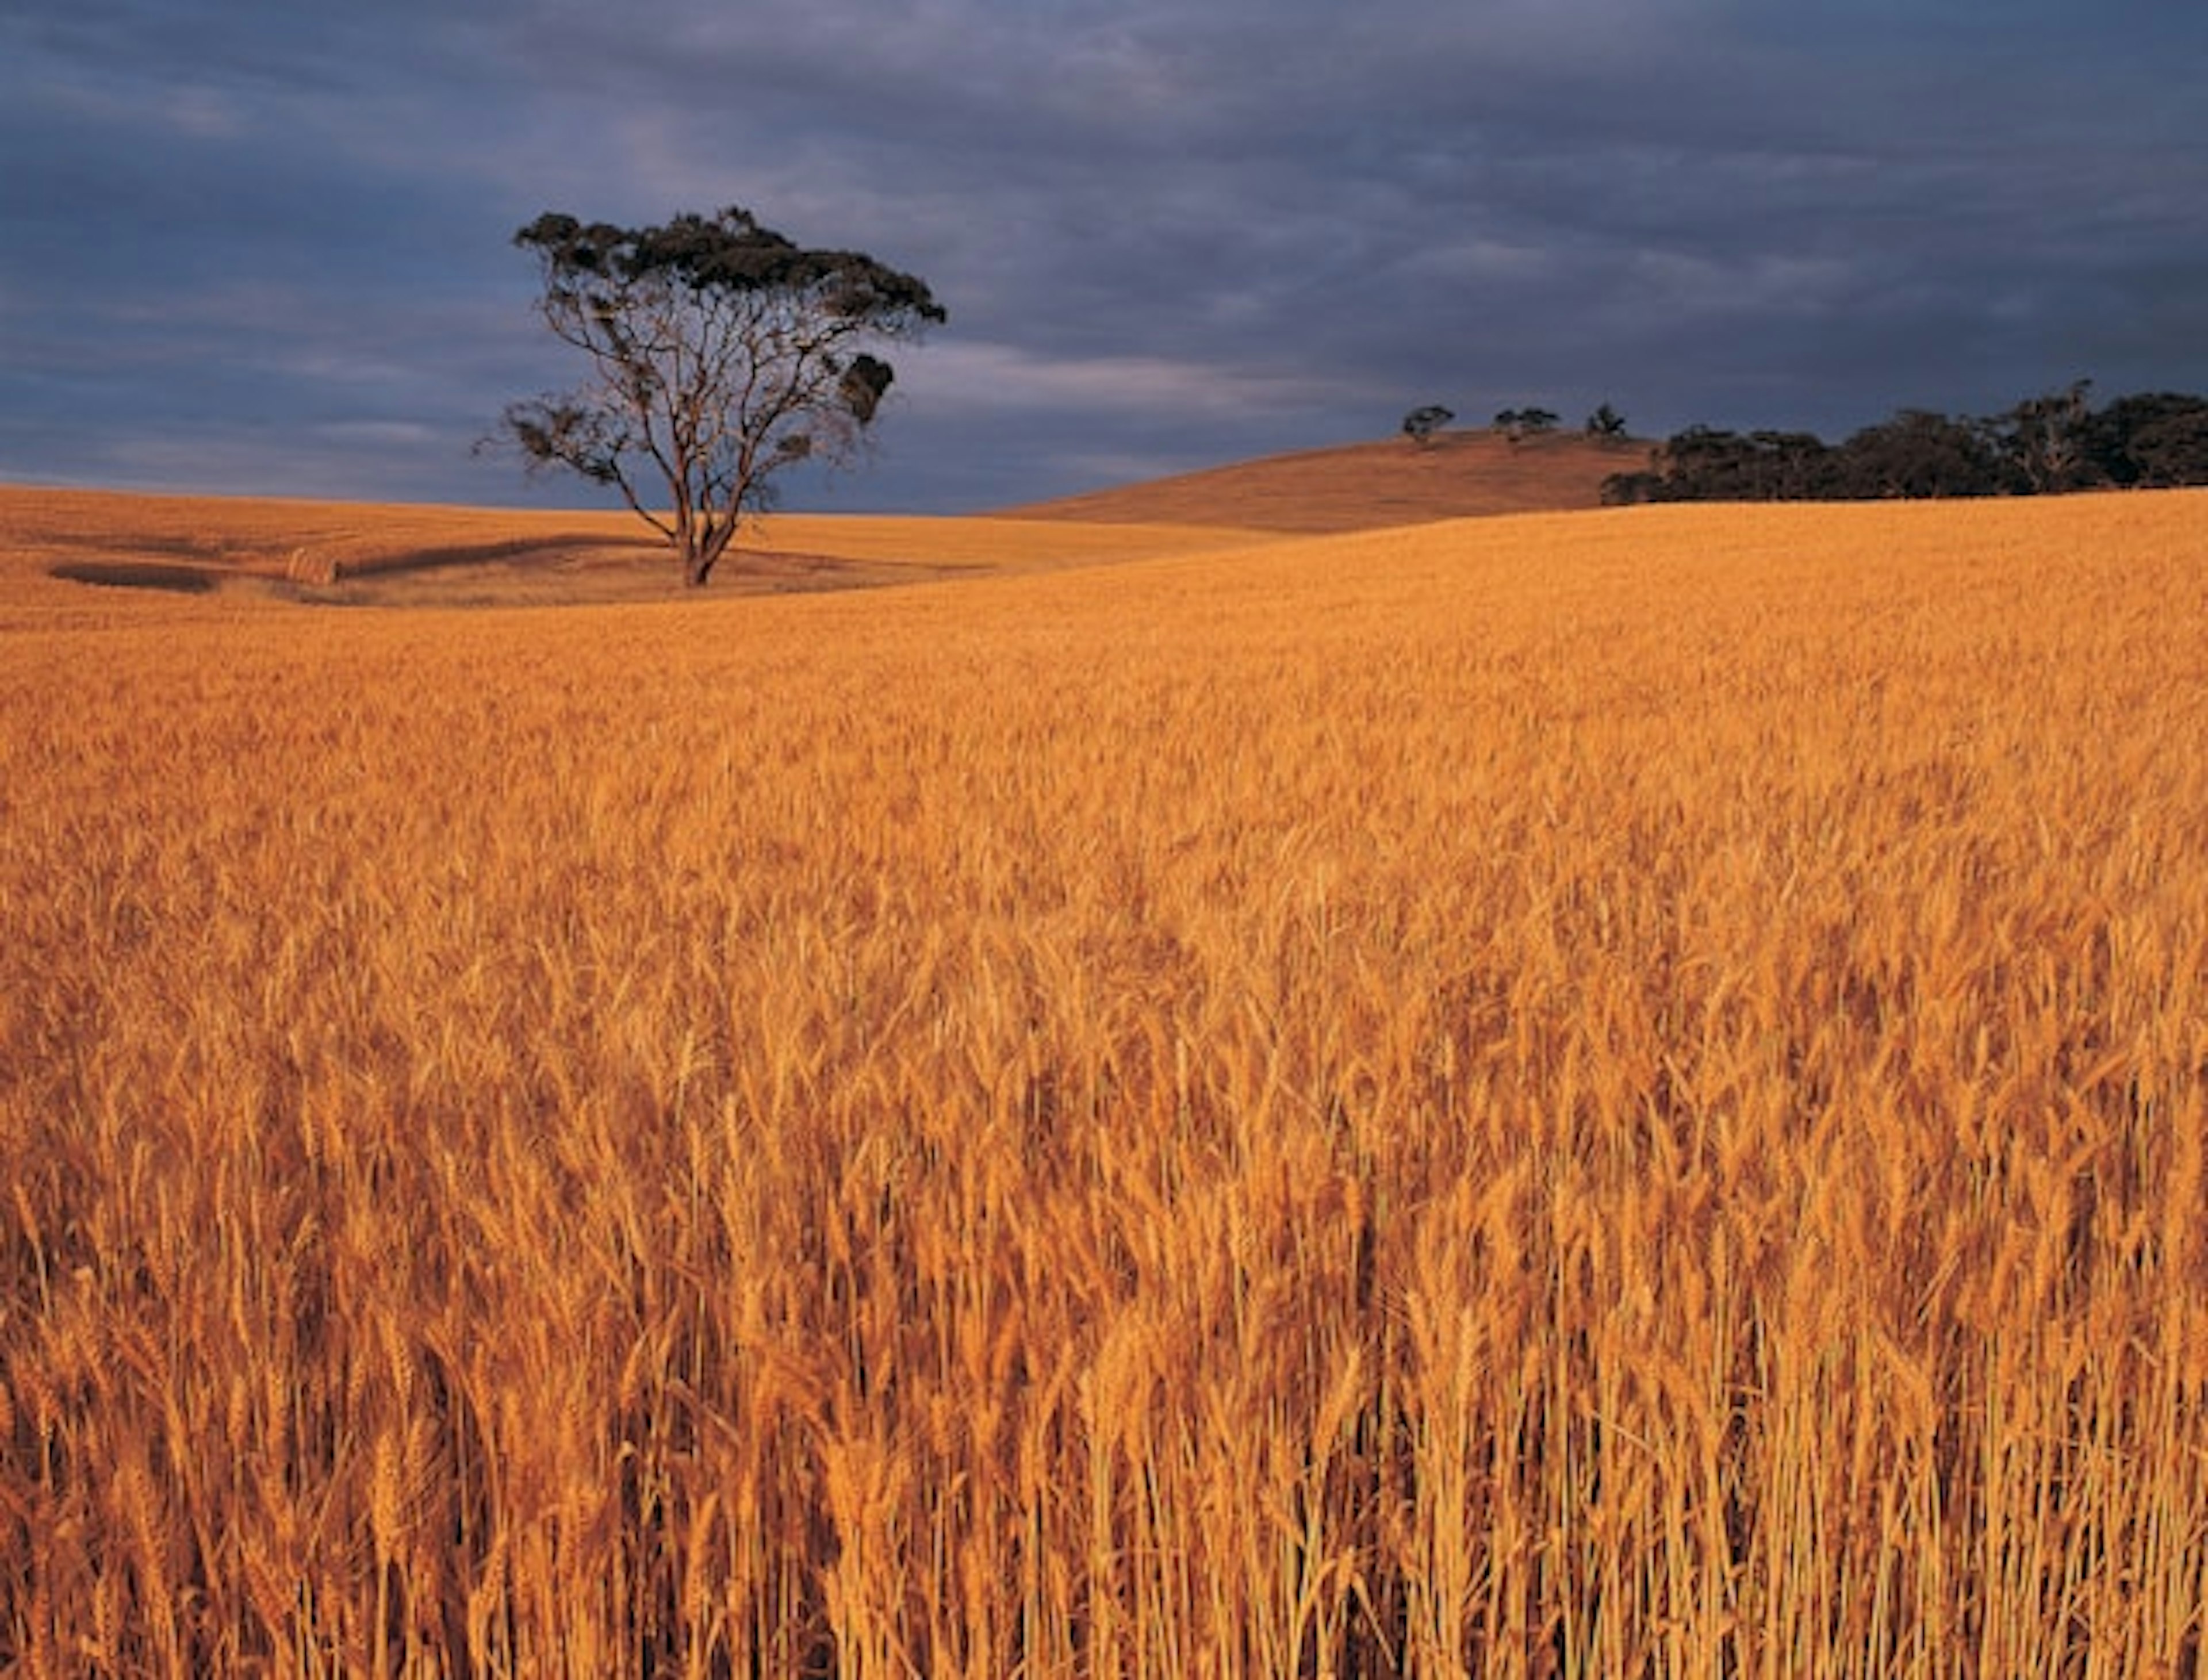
(263, 246)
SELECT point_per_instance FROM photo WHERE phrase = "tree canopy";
(1607, 425)
(719, 352)
(2045, 444)
(1420, 424)
(1519, 423)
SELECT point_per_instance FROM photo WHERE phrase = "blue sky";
(263, 246)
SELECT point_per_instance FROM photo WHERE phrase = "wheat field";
(1615, 1095)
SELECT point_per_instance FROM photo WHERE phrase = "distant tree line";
(2043, 446)
(1604, 425)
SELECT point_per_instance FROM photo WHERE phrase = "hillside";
(359, 553)
(1366, 486)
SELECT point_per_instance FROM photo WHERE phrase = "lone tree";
(1519, 424)
(719, 353)
(1607, 425)
(1420, 424)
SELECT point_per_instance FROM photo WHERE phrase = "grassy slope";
(354, 553)
(1364, 486)
(394, 554)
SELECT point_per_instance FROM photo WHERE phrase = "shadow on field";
(558, 569)
(554, 550)
(591, 572)
(136, 575)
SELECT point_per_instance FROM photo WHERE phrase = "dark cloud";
(263, 247)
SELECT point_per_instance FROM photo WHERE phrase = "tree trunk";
(705, 539)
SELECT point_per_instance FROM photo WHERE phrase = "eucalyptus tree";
(1420, 424)
(717, 353)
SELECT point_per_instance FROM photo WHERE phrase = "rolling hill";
(367, 555)
(1366, 486)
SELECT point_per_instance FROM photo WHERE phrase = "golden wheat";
(1613, 1094)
